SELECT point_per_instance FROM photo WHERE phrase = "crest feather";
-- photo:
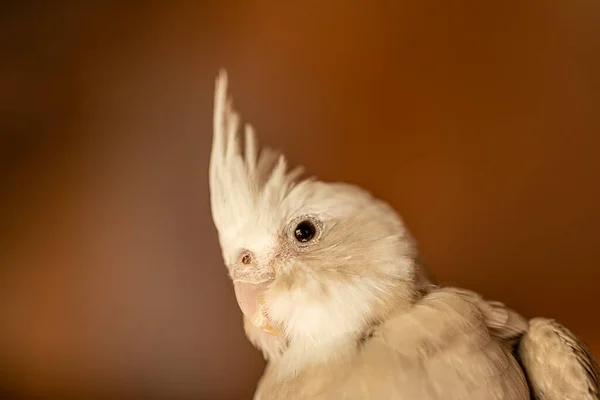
(243, 182)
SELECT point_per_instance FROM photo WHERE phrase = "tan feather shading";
(558, 365)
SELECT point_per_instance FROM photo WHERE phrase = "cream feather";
(243, 182)
(357, 315)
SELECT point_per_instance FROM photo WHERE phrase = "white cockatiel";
(332, 293)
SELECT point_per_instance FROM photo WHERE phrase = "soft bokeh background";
(478, 121)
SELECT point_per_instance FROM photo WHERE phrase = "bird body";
(331, 291)
(441, 347)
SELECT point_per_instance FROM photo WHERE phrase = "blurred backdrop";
(478, 121)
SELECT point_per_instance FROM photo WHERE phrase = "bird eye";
(305, 231)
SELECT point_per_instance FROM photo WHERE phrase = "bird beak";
(250, 298)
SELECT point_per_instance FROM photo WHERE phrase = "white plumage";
(332, 294)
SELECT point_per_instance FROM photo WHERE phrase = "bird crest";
(246, 181)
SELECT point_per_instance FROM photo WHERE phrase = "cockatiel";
(332, 293)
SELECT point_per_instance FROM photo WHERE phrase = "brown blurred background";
(478, 121)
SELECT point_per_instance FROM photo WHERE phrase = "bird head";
(308, 259)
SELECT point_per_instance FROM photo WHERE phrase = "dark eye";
(305, 231)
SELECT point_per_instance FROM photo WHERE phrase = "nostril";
(246, 258)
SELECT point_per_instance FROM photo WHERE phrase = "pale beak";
(250, 298)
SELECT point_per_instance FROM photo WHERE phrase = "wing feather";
(557, 363)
